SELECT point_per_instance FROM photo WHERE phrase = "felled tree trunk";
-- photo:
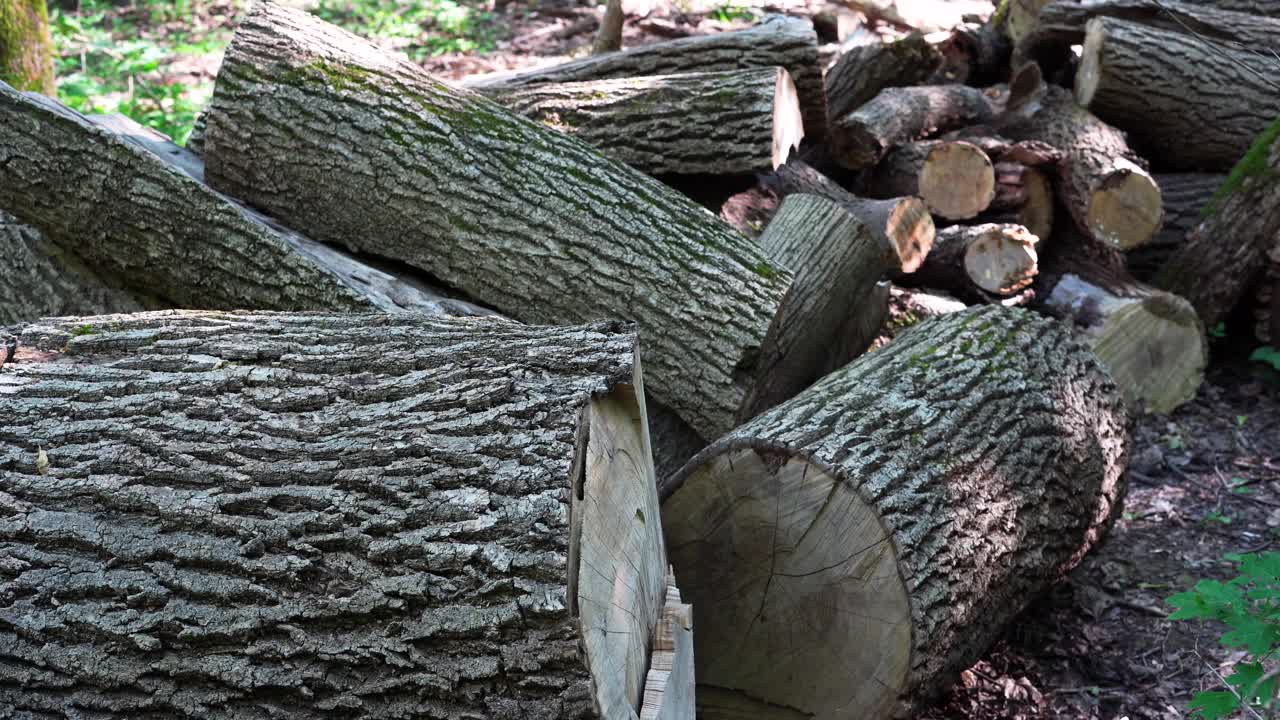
(881, 522)
(163, 233)
(1186, 196)
(908, 307)
(26, 48)
(1166, 89)
(980, 263)
(523, 218)
(955, 179)
(976, 55)
(1110, 196)
(1224, 254)
(1152, 341)
(777, 42)
(899, 115)
(862, 72)
(738, 121)
(1062, 23)
(355, 516)
(43, 279)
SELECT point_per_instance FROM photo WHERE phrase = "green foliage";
(729, 12)
(426, 27)
(1218, 331)
(1213, 517)
(1255, 163)
(1249, 606)
(1267, 354)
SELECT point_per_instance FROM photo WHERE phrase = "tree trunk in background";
(26, 48)
(899, 115)
(1186, 197)
(779, 41)
(609, 36)
(721, 123)
(345, 516)
(891, 519)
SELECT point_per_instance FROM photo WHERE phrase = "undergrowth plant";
(1249, 605)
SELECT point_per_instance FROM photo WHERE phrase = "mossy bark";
(26, 49)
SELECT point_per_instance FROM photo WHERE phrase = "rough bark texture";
(525, 219)
(955, 179)
(1191, 104)
(979, 263)
(162, 233)
(861, 73)
(1224, 254)
(908, 307)
(355, 516)
(43, 279)
(898, 115)
(976, 55)
(1063, 22)
(1186, 196)
(738, 121)
(777, 42)
(1109, 195)
(673, 441)
(26, 48)
(849, 552)
(1266, 309)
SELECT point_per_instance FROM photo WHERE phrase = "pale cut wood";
(862, 72)
(737, 121)
(979, 262)
(778, 41)
(1186, 199)
(1023, 196)
(955, 179)
(529, 221)
(899, 115)
(326, 516)
(841, 564)
(1165, 89)
(669, 686)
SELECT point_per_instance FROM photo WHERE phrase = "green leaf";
(1255, 635)
(1213, 705)
(1267, 354)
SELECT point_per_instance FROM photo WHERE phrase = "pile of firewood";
(434, 481)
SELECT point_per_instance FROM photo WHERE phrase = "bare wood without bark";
(899, 115)
(980, 263)
(840, 522)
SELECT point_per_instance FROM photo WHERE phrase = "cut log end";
(1125, 207)
(788, 120)
(850, 615)
(1002, 260)
(1086, 82)
(910, 231)
(957, 180)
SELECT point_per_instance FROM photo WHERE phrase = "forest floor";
(1203, 481)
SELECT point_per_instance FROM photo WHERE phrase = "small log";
(719, 123)
(1186, 197)
(842, 523)
(1023, 196)
(1109, 195)
(1166, 90)
(908, 307)
(778, 41)
(862, 72)
(322, 516)
(1225, 254)
(44, 279)
(899, 115)
(955, 179)
(980, 263)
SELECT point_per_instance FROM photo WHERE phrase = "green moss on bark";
(1256, 163)
(26, 49)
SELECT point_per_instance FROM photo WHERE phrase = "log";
(609, 36)
(1224, 255)
(1109, 195)
(44, 279)
(530, 221)
(862, 72)
(1166, 89)
(1266, 309)
(778, 41)
(163, 233)
(1023, 196)
(326, 516)
(908, 307)
(955, 179)
(899, 115)
(980, 263)
(1151, 341)
(1186, 196)
(720, 123)
(1063, 22)
(973, 54)
(893, 518)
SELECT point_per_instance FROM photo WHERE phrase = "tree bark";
(979, 263)
(955, 179)
(1186, 196)
(1224, 254)
(892, 519)
(1023, 196)
(719, 123)
(1266, 309)
(609, 36)
(163, 233)
(355, 516)
(976, 55)
(777, 42)
(908, 307)
(1109, 195)
(861, 73)
(525, 219)
(44, 279)
(1166, 89)
(899, 115)
(26, 48)
(1063, 22)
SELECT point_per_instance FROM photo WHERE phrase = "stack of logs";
(396, 456)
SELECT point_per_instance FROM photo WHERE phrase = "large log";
(899, 115)
(1166, 90)
(980, 263)
(1109, 194)
(1224, 254)
(849, 552)
(955, 179)
(528, 220)
(1062, 22)
(325, 516)
(133, 208)
(862, 72)
(778, 41)
(1186, 197)
(738, 121)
